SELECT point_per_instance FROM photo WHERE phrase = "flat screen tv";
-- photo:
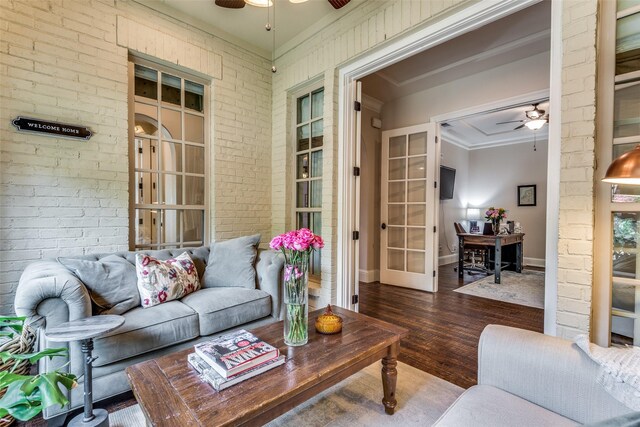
(447, 180)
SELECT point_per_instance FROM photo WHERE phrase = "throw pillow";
(162, 281)
(231, 263)
(111, 282)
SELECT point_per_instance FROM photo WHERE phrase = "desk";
(497, 242)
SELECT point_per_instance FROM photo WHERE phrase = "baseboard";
(447, 259)
(533, 262)
(368, 276)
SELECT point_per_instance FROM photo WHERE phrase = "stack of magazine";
(233, 358)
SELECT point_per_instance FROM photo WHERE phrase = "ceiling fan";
(535, 119)
(239, 4)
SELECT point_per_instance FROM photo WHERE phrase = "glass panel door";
(407, 202)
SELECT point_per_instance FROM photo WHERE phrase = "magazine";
(236, 352)
(217, 382)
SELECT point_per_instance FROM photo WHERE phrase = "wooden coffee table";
(170, 392)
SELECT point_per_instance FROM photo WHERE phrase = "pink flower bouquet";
(495, 215)
(296, 245)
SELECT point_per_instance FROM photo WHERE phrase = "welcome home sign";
(54, 129)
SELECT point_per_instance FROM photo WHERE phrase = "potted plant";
(24, 396)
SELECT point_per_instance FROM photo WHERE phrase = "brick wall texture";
(67, 61)
(576, 222)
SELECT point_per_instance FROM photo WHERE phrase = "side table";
(85, 330)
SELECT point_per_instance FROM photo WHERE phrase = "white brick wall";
(575, 246)
(67, 61)
(362, 29)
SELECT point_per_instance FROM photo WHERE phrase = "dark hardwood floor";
(444, 326)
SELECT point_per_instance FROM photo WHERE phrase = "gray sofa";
(49, 294)
(530, 379)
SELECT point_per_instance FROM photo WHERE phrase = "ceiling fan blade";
(231, 4)
(337, 4)
(519, 127)
(510, 121)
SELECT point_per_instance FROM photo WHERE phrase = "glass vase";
(496, 228)
(296, 289)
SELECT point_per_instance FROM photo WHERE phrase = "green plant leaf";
(26, 395)
(34, 357)
(47, 385)
(13, 322)
(7, 378)
(18, 404)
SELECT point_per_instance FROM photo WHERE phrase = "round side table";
(85, 330)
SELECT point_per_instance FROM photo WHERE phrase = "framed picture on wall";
(527, 195)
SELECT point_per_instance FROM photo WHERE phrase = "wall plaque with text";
(54, 129)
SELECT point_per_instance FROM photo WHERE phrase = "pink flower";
(276, 243)
(317, 242)
(302, 240)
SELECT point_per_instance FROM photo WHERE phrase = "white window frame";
(133, 204)
(603, 248)
(308, 89)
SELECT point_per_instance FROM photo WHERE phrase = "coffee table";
(170, 392)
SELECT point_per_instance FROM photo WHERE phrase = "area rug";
(356, 401)
(526, 288)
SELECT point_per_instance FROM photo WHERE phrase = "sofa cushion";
(147, 329)
(162, 281)
(231, 263)
(111, 282)
(487, 406)
(223, 308)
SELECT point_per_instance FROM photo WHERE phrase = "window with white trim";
(168, 158)
(621, 203)
(309, 138)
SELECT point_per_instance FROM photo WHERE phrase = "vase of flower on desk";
(297, 246)
(495, 216)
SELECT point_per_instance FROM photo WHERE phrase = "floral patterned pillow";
(162, 281)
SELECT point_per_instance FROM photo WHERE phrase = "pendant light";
(625, 169)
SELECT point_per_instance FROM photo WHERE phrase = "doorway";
(348, 272)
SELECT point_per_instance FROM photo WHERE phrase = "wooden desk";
(497, 242)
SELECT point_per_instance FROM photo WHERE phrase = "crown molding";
(372, 103)
(507, 47)
(459, 142)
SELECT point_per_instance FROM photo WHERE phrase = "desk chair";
(473, 250)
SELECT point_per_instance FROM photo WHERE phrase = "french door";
(408, 214)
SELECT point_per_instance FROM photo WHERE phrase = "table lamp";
(473, 214)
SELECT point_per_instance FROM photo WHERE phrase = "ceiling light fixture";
(297, 1)
(535, 113)
(535, 124)
(259, 3)
(625, 169)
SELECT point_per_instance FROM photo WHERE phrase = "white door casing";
(408, 198)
